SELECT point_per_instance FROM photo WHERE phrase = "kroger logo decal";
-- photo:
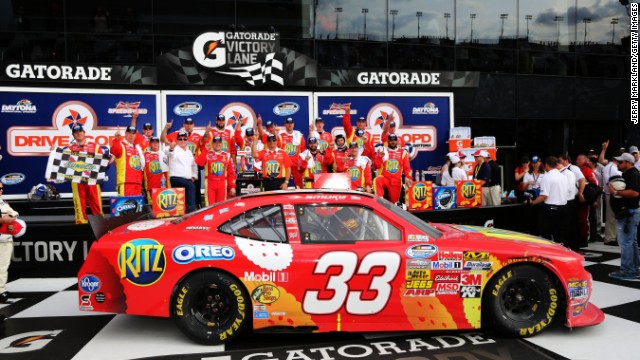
(187, 108)
(184, 254)
(90, 283)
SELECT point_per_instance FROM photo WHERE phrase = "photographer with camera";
(625, 205)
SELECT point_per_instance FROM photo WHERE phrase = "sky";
(487, 25)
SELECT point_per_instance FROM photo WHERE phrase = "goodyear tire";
(210, 307)
(522, 301)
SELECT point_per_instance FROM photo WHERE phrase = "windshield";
(412, 219)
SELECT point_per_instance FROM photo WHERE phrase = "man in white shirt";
(633, 150)
(554, 193)
(573, 226)
(183, 170)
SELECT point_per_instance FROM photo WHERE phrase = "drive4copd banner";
(33, 121)
(422, 120)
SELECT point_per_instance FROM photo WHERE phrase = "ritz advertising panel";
(34, 121)
(422, 121)
(239, 108)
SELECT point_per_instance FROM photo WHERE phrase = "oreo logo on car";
(184, 254)
(12, 178)
(421, 251)
(286, 108)
(90, 283)
(187, 108)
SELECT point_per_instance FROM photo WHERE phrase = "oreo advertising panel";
(34, 120)
(422, 120)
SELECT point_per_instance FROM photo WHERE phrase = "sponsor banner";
(33, 121)
(128, 74)
(425, 131)
(239, 108)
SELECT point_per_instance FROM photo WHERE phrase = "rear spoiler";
(101, 225)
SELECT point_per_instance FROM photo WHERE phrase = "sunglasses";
(1, 188)
(271, 140)
(182, 139)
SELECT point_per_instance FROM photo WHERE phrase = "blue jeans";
(629, 257)
(189, 191)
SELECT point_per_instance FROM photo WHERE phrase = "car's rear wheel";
(211, 307)
(521, 301)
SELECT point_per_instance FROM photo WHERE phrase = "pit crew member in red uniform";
(325, 139)
(155, 168)
(313, 161)
(389, 127)
(359, 169)
(129, 160)
(339, 154)
(268, 128)
(276, 165)
(147, 132)
(392, 161)
(229, 138)
(293, 144)
(363, 137)
(220, 174)
(85, 193)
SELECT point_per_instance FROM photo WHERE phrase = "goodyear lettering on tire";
(551, 312)
(240, 317)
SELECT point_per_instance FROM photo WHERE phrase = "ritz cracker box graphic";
(35, 121)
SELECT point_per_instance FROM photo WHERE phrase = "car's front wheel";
(522, 301)
(211, 307)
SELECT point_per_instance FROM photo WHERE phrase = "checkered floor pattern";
(46, 307)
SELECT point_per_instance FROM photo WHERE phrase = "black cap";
(313, 139)
(271, 136)
(392, 124)
(535, 159)
(154, 138)
(393, 137)
(147, 126)
(288, 120)
(76, 128)
(220, 117)
(249, 132)
(131, 129)
(182, 133)
(188, 121)
(269, 123)
(353, 144)
(359, 132)
(217, 139)
(319, 119)
(340, 136)
(362, 118)
(525, 159)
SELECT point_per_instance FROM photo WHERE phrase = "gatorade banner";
(423, 121)
(35, 121)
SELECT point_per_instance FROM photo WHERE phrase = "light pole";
(472, 16)
(338, 11)
(418, 15)
(503, 17)
(585, 21)
(447, 16)
(393, 28)
(614, 21)
(365, 11)
(557, 19)
(528, 18)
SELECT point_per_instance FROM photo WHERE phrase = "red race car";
(319, 261)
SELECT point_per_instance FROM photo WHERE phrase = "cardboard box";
(419, 196)
(444, 197)
(126, 205)
(167, 202)
(468, 194)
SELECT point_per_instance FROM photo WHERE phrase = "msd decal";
(38, 140)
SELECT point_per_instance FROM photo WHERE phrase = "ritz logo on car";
(142, 261)
(167, 200)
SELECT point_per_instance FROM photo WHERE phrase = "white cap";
(454, 159)
(482, 153)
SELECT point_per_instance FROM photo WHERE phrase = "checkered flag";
(145, 75)
(185, 67)
(256, 74)
(299, 69)
(83, 168)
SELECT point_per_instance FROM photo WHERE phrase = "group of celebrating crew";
(280, 155)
